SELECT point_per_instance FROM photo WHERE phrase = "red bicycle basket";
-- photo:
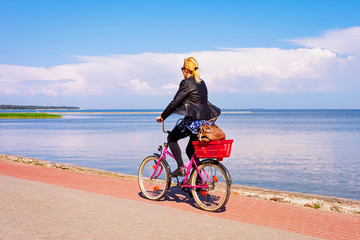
(213, 149)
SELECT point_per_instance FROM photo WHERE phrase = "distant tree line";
(26, 107)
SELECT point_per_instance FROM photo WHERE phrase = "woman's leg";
(174, 136)
(190, 149)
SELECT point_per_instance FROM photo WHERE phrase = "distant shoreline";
(34, 107)
(28, 115)
(131, 112)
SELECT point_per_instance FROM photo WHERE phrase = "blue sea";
(308, 151)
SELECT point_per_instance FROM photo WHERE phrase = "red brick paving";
(306, 221)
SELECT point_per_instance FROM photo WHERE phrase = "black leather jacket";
(192, 100)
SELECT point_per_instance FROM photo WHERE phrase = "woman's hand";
(159, 119)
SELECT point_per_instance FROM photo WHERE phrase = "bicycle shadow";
(176, 194)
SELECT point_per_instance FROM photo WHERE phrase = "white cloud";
(327, 64)
(138, 87)
(267, 70)
(342, 41)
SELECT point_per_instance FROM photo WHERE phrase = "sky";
(128, 54)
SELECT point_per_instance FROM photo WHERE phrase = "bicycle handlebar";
(163, 125)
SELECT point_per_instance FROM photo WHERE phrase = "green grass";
(28, 115)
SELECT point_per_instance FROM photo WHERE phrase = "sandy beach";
(41, 202)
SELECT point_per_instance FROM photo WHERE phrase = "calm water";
(309, 151)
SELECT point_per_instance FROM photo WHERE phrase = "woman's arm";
(178, 99)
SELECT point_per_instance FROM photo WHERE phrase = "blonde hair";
(193, 66)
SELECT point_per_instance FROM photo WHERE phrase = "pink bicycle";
(208, 181)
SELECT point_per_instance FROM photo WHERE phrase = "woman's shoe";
(178, 173)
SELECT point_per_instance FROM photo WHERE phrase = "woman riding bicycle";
(190, 100)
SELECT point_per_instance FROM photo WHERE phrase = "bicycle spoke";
(216, 193)
(153, 179)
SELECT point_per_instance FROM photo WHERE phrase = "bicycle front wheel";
(215, 194)
(153, 180)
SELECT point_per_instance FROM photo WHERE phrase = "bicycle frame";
(187, 167)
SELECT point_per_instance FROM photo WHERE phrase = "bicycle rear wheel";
(153, 182)
(215, 196)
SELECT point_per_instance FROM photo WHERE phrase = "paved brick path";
(305, 221)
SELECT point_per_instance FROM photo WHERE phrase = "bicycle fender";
(163, 160)
(209, 160)
(226, 171)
